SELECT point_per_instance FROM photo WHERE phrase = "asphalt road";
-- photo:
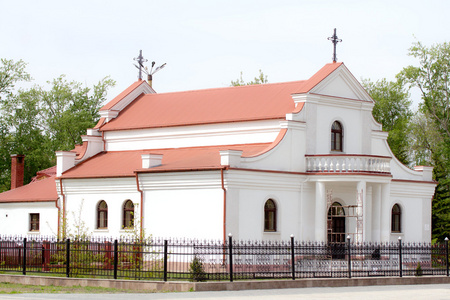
(410, 292)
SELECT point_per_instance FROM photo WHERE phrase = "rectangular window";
(34, 222)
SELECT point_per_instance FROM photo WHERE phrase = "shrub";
(196, 270)
(419, 271)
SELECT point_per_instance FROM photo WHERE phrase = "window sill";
(37, 232)
(397, 233)
(101, 230)
(272, 232)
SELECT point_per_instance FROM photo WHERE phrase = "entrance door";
(336, 230)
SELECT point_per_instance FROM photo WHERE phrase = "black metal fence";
(184, 259)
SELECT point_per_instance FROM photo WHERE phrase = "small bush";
(196, 270)
(419, 271)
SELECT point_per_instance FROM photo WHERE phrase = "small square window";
(34, 222)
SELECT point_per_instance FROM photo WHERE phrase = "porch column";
(361, 201)
(321, 213)
(385, 212)
(376, 213)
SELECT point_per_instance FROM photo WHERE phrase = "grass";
(14, 288)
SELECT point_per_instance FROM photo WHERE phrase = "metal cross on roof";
(334, 39)
(140, 60)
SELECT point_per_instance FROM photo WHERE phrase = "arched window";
(270, 216)
(102, 215)
(336, 136)
(128, 214)
(396, 219)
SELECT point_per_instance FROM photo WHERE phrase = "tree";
(392, 110)
(37, 122)
(10, 73)
(257, 80)
(431, 77)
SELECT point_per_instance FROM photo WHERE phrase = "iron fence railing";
(201, 260)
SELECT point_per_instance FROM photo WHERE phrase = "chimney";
(17, 170)
(151, 160)
(150, 79)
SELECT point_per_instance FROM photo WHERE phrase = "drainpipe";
(64, 208)
(59, 215)
(103, 140)
(224, 207)
(141, 215)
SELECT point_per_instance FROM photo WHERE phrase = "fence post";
(230, 254)
(446, 253)
(45, 256)
(349, 253)
(292, 257)
(24, 258)
(400, 255)
(165, 259)
(68, 258)
(116, 258)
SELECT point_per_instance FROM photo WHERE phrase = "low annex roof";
(219, 105)
(43, 190)
(49, 172)
(126, 163)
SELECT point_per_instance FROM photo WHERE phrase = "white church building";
(262, 162)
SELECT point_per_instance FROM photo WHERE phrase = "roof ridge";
(231, 87)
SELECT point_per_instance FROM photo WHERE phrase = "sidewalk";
(402, 292)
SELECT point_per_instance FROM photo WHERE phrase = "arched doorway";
(336, 231)
(336, 223)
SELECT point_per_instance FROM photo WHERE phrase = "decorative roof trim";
(277, 140)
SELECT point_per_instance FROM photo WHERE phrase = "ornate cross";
(334, 39)
(140, 60)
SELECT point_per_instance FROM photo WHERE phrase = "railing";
(181, 259)
(340, 163)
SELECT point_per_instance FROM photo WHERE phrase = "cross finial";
(140, 60)
(334, 39)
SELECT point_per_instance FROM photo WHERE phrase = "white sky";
(207, 43)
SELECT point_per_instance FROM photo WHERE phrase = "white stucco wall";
(184, 213)
(15, 218)
(193, 136)
(415, 203)
(183, 204)
(83, 195)
(247, 192)
(287, 155)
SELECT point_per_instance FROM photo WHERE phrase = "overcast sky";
(207, 43)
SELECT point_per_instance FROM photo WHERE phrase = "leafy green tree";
(392, 110)
(257, 80)
(68, 108)
(431, 77)
(37, 122)
(10, 74)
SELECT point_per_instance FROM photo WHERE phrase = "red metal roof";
(126, 163)
(220, 105)
(318, 77)
(49, 172)
(43, 190)
(122, 95)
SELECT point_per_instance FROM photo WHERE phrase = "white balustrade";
(348, 163)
